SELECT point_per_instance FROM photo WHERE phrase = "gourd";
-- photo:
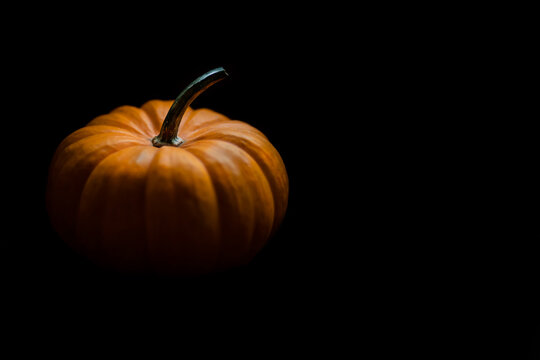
(167, 189)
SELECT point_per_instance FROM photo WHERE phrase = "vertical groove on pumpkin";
(198, 118)
(280, 199)
(256, 244)
(137, 117)
(257, 235)
(156, 110)
(117, 120)
(217, 262)
(182, 214)
(108, 226)
(147, 206)
(70, 171)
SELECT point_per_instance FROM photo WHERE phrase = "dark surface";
(411, 212)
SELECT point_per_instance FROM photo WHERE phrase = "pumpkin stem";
(169, 130)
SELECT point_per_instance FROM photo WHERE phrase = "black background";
(409, 222)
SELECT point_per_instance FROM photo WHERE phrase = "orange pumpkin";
(205, 194)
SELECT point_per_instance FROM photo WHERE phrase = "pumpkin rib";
(220, 221)
(105, 158)
(64, 195)
(89, 139)
(236, 125)
(188, 124)
(87, 131)
(120, 121)
(137, 116)
(104, 218)
(275, 187)
(253, 247)
(69, 151)
(253, 155)
(223, 254)
(111, 134)
(156, 110)
(205, 235)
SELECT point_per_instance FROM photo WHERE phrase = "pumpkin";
(167, 189)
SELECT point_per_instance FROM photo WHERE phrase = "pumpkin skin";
(207, 205)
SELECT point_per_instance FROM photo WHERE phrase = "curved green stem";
(168, 136)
